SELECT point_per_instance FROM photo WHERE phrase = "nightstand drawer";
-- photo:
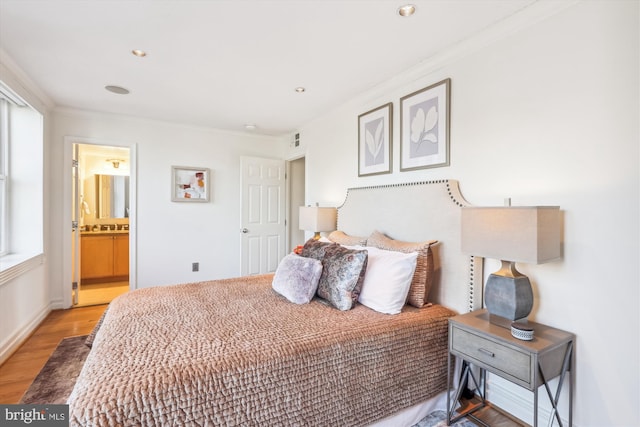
(494, 356)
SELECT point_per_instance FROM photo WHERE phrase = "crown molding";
(14, 77)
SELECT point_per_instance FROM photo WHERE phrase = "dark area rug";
(439, 419)
(54, 383)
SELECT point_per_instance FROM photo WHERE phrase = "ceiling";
(228, 63)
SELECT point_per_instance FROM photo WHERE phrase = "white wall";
(170, 235)
(24, 303)
(546, 115)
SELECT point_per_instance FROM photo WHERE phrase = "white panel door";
(75, 231)
(262, 212)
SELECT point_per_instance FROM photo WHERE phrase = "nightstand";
(529, 364)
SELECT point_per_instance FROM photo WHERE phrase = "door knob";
(244, 230)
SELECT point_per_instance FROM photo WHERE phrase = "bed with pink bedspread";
(235, 352)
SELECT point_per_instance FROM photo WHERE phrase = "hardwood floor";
(17, 372)
(492, 416)
(100, 293)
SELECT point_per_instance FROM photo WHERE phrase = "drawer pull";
(487, 352)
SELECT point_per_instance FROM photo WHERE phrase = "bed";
(236, 352)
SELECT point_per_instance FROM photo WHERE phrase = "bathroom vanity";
(104, 256)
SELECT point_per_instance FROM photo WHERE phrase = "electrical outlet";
(195, 266)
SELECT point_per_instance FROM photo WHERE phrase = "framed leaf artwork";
(424, 127)
(374, 141)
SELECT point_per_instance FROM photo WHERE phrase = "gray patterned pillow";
(296, 278)
(342, 276)
(315, 249)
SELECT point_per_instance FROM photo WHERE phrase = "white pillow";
(297, 277)
(387, 280)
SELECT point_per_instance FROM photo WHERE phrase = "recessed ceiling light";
(406, 10)
(117, 89)
(139, 53)
(300, 89)
(250, 126)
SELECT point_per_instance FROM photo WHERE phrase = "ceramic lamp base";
(508, 296)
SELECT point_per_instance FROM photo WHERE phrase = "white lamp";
(317, 219)
(529, 234)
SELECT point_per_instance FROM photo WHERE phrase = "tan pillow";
(344, 239)
(423, 276)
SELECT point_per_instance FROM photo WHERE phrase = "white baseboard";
(12, 343)
(520, 404)
(57, 304)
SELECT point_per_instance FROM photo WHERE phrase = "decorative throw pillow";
(344, 239)
(423, 276)
(315, 249)
(342, 276)
(386, 283)
(297, 277)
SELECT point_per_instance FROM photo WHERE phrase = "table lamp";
(528, 234)
(317, 219)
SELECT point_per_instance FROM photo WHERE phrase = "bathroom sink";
(105, 228)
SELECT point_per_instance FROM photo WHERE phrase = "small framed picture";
(424, 127)
(374, 141)
(189, 184)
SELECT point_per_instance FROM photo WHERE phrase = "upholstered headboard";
(419, 211)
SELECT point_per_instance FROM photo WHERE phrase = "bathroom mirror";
(112, 196)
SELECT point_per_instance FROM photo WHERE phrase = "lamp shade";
(529, 234)
(316, 219)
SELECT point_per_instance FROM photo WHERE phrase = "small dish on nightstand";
(522, 331)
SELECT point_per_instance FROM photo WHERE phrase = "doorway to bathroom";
(296, 199)
(101, 211)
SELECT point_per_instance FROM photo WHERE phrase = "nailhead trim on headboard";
(406, 184)
(475, 263)
(472, 262)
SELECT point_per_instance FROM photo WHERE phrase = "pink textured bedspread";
(233, 352)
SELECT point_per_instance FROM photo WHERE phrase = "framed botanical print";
(424, 127)
(374, 141)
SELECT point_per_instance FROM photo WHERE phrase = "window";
(4, 136)
(21, 185)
